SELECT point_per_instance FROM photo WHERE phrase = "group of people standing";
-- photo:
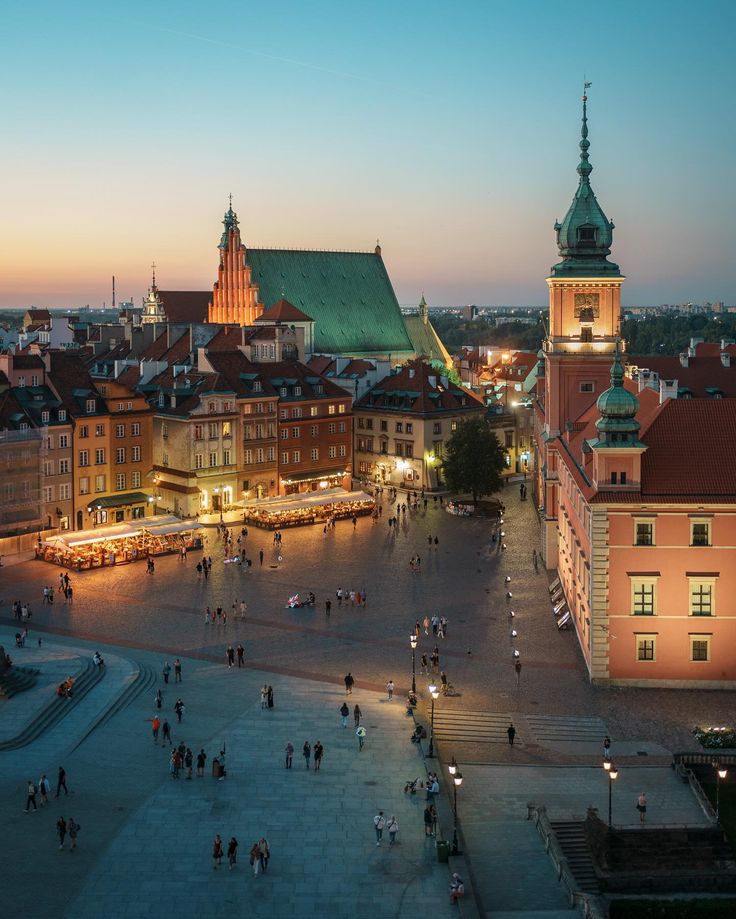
(260, 853)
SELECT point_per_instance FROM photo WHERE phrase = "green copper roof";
(585, 235)
(618, 408)
(348, 294)
(425, 340)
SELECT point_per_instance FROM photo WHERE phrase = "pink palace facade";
(636, 490)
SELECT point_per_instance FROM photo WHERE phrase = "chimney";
(694, 342)
(667, 390)
(411, 373)
(685, 358)
(725, 342)
(725, 358)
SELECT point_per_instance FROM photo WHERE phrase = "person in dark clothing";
(511, 731)
(61, 782)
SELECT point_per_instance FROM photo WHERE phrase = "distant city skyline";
(452, 138)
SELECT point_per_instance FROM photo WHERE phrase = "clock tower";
(584, 326)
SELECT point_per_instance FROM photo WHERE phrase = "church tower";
(583, 334)
(234, 296)
(153, 308)
(584, 303)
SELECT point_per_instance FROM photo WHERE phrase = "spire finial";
(153, 275)
(584, 167)
(231, 200)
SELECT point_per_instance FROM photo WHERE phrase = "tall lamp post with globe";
(413, 643)
(435, 693)
(457, 780)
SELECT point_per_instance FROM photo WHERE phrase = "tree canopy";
(474, 459)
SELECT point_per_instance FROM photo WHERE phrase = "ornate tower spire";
(234, 296)
(618, 407)
(585, 235)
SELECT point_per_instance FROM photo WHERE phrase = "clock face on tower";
(587, 302)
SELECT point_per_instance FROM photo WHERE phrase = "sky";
(448, 131)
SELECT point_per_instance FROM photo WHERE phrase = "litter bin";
(443, 850)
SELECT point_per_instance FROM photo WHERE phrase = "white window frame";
(697, 521)
(638, 582)
(695, 581)
(642, 637)
(704, 637)
(649, 521)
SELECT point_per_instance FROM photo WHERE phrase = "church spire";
(585, 236)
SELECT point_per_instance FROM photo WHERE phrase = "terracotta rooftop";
(704, 372)
(418, 388)
(283, 311)
(185, 305)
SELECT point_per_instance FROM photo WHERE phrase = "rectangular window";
(296, 413)
(699, 533)
(48, 494)
(643, 597)
(62, 414)
(509, 439)
(283, 413)
(135, 429)
(702, 596)
(45, 417)
(271, 454)
(296, 456)
(135, 479)
(295, 432)
(226, 458)
(453, 426)
(284, 457)
(700, 647)
(369, 423)
(198, 431)
(314, 454)
(120, 430)
(332, 452)
(84, 485)
(135, 454)
(646, 647)
(99, 483)
(34, 379)
(622, 478)
(409, 450)
(259, 455)
(248, 457)
(198, 461)
(341, 409)
(331, 428)
(226, 429)
(63, 441)
(399, 427)
(297, 390)
(65, 492)
(90, 406)
(330, 409)
(120, 481)
(99, 430)
(587, 387)
(342, 450)
(644, 533)
(614, 478)
(214, 429)
(384, 425)
(100, 456)
(83, 430)
(120, 455)
(437, 428)
(84, 458)
(341, 427)
(314, 430)
(165, 459)
(314, 411)
(284, 433)
(409, 427)
(213, 458)
(361, 422)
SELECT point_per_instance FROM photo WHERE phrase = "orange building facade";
(636, 489)
(235, 296)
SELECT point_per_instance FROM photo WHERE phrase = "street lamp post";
(612, 776)
(413, 642)
(457, 780)
(434, 692)
(721, 773)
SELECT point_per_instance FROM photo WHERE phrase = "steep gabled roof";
(283, 311)
(418, 389)
(71, 380)
(348, 294)
(185, 305)
(425, 340)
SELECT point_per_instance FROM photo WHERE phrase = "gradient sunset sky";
(447, 130)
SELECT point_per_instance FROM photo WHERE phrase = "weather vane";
(586, 85)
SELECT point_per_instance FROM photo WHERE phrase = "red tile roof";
(185, 305)
(320, 363)
(283, 311)
(411, 391)
(704, 371)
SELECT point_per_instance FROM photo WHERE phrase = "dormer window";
(257, 386)
(90, 406)
(587, 236)
(45, 417)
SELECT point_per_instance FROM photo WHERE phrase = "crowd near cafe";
(310, 507)
(121, 543)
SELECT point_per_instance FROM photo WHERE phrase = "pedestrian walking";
(188, 761)
(318, 753)
(166, 730)
(517, 668)
(179, 709)
(328, 608)
(61, 781)
(641, 806)
(511, 731)
(357, 714)
(230, 657)
(241, 656)
(344, 711)
(61, 831)
(217, 852)
(232, 852)
(306, 753)
(390, 689)
(155, 726)
(31, 796)
(360, 734)
(260, 556)
(428, 820)
(158, 698)
(264, 853)
(393, 829)
(607, 747)
(535, 560)
(201, 760)
(264, 696)
(424, 664)
(177, 671)
(379, 823)
(255, 858)
(166, 671)
(289, 754)
(349, 682)
(73, 828)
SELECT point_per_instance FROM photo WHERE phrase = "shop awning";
(122, 500)
(168, 529)
(103, 534)
(314, 476)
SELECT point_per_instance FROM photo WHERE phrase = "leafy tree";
(474, 459)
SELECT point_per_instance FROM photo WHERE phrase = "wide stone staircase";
(571, 837)
(17, 679)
